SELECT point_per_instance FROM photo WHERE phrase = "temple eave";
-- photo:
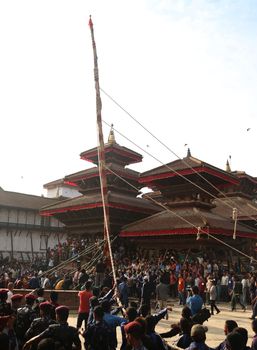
(186, 231)
(170, 174)
(95, 205)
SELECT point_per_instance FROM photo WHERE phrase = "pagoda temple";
(83, 215)
(195, 194)
(241, 196)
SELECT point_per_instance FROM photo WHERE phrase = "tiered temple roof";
(190, 198)
(84, 214)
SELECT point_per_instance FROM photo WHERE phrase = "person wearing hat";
(38, 325)
(16, 300)
(25, 316)
(67, 336)
(134, 333)
(5, 308)
(198, 335)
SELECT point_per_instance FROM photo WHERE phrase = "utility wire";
(180, 217)
(170, 150)
(167, 166)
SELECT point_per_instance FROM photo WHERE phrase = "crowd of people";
(145, 281)
(70, 248)
(32, 322)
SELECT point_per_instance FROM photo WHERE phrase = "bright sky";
(186, 70)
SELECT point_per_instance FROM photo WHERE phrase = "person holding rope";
(113, 321)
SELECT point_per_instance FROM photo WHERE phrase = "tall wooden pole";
(101, 155)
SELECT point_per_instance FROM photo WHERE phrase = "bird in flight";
(248, 129)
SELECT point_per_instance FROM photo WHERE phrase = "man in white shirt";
(213, 297)
(245, 289)
(46, 283)
(10, 292)
(224, 287)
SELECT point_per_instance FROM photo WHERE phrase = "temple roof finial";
(228, 169)
(111, 138)
(188, 153)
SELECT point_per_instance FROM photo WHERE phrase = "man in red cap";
(5, 308)
(134, 333)
(40, 324)
(16, 300)
(67, 336)
(25, 316)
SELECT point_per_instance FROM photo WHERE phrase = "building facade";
(24, 233)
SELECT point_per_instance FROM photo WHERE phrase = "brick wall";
(65, 297)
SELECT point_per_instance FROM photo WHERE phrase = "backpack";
(202, 316)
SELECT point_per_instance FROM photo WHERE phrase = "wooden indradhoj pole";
(101, 156)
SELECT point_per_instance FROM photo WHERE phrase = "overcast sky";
(186, 70)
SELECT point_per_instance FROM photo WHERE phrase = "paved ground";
(215, 324)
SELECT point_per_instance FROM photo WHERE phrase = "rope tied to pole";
(198, 235)
(234, 216)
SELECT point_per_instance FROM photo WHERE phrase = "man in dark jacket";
(146, 293)
(5, 308)
(25, 316)
(61, 332)
(98, 334)
(40, 324)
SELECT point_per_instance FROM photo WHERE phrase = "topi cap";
(62, 310)
(133, 327)
(198, 330)
(45, 306)
(3, 291)
(15, 297)
(30, 297)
